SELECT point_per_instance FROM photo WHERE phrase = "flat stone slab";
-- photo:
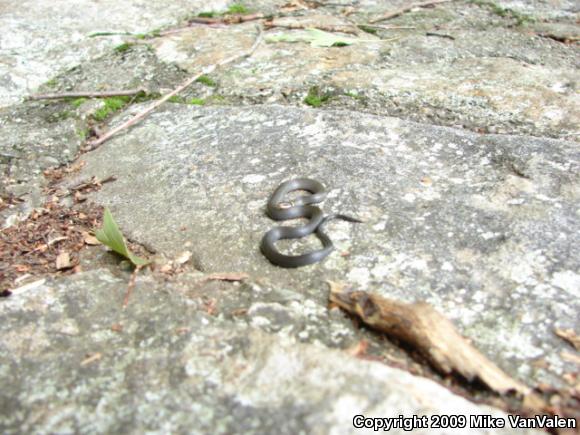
(458, 65)
(72, 360)
(40, 39)
(486, 228)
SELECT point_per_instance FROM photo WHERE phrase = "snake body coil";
(301, 207)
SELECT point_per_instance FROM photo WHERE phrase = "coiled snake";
(301, 207)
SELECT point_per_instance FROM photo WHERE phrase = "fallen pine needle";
(94, 357)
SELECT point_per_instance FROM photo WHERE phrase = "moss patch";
(77, 102)
(520, 18)
(238, 8)
(315, 98)
(111, 105)
(123, 47)
(207, 81)
(368, 29)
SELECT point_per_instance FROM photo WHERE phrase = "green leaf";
(319, 38)
(111, 236)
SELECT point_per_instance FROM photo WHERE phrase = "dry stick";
(156, 104)
(421, 326)
(130, 286)
(398, 12)
(351, 30)
(374, 26)
(88, 94)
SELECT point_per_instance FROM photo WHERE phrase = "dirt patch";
(49, 241)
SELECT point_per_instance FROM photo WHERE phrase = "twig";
(398, 12)
(207, 70)
(375, 26)
(352, 30)
(440, 35)
(88, 94)
(228, 19)
(130, 286)
(421, 326)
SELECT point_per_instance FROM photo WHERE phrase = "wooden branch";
(349, 29)
(88, 94)
(378, 26)
(422, 327)
(404, 9)
(138, 117)
(227, 19)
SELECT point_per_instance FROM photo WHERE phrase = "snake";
(301, 207)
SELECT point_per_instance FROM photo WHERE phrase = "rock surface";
(41, 39)
(162, 366)
(452, 131)
(485, 228)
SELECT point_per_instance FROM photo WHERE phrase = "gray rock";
(169, 368)
(41, 39)
(454, 65)
(485, 228)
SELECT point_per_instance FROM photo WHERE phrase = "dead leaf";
(63, 261)
(117, 327)
(570, 336)
(183, 258)
(90, 240)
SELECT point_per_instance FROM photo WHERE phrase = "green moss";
(238, 8)
(353, 95)
(207, 81)
(315, 98)
(216, 98)
(78, 102)
(210, 14)
(59, 116)
(123, 47)
(83, 134)
(52, 83)
(176, 99)
(197, 101)
(111, 105)
(368, 29)
(521, 19)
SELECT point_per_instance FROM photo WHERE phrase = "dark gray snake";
(301, 207)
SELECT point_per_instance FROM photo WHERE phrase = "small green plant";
(176, 99)
(315, 98)
(206, 81)
(110, 235)
(368, 29)
(52, 83)
(196, 101)
(210, 14)
(521, 19)
(83, 133)
(111, 105)
(123, 47)
(237, 8)
(353, 95)
(78, 102)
